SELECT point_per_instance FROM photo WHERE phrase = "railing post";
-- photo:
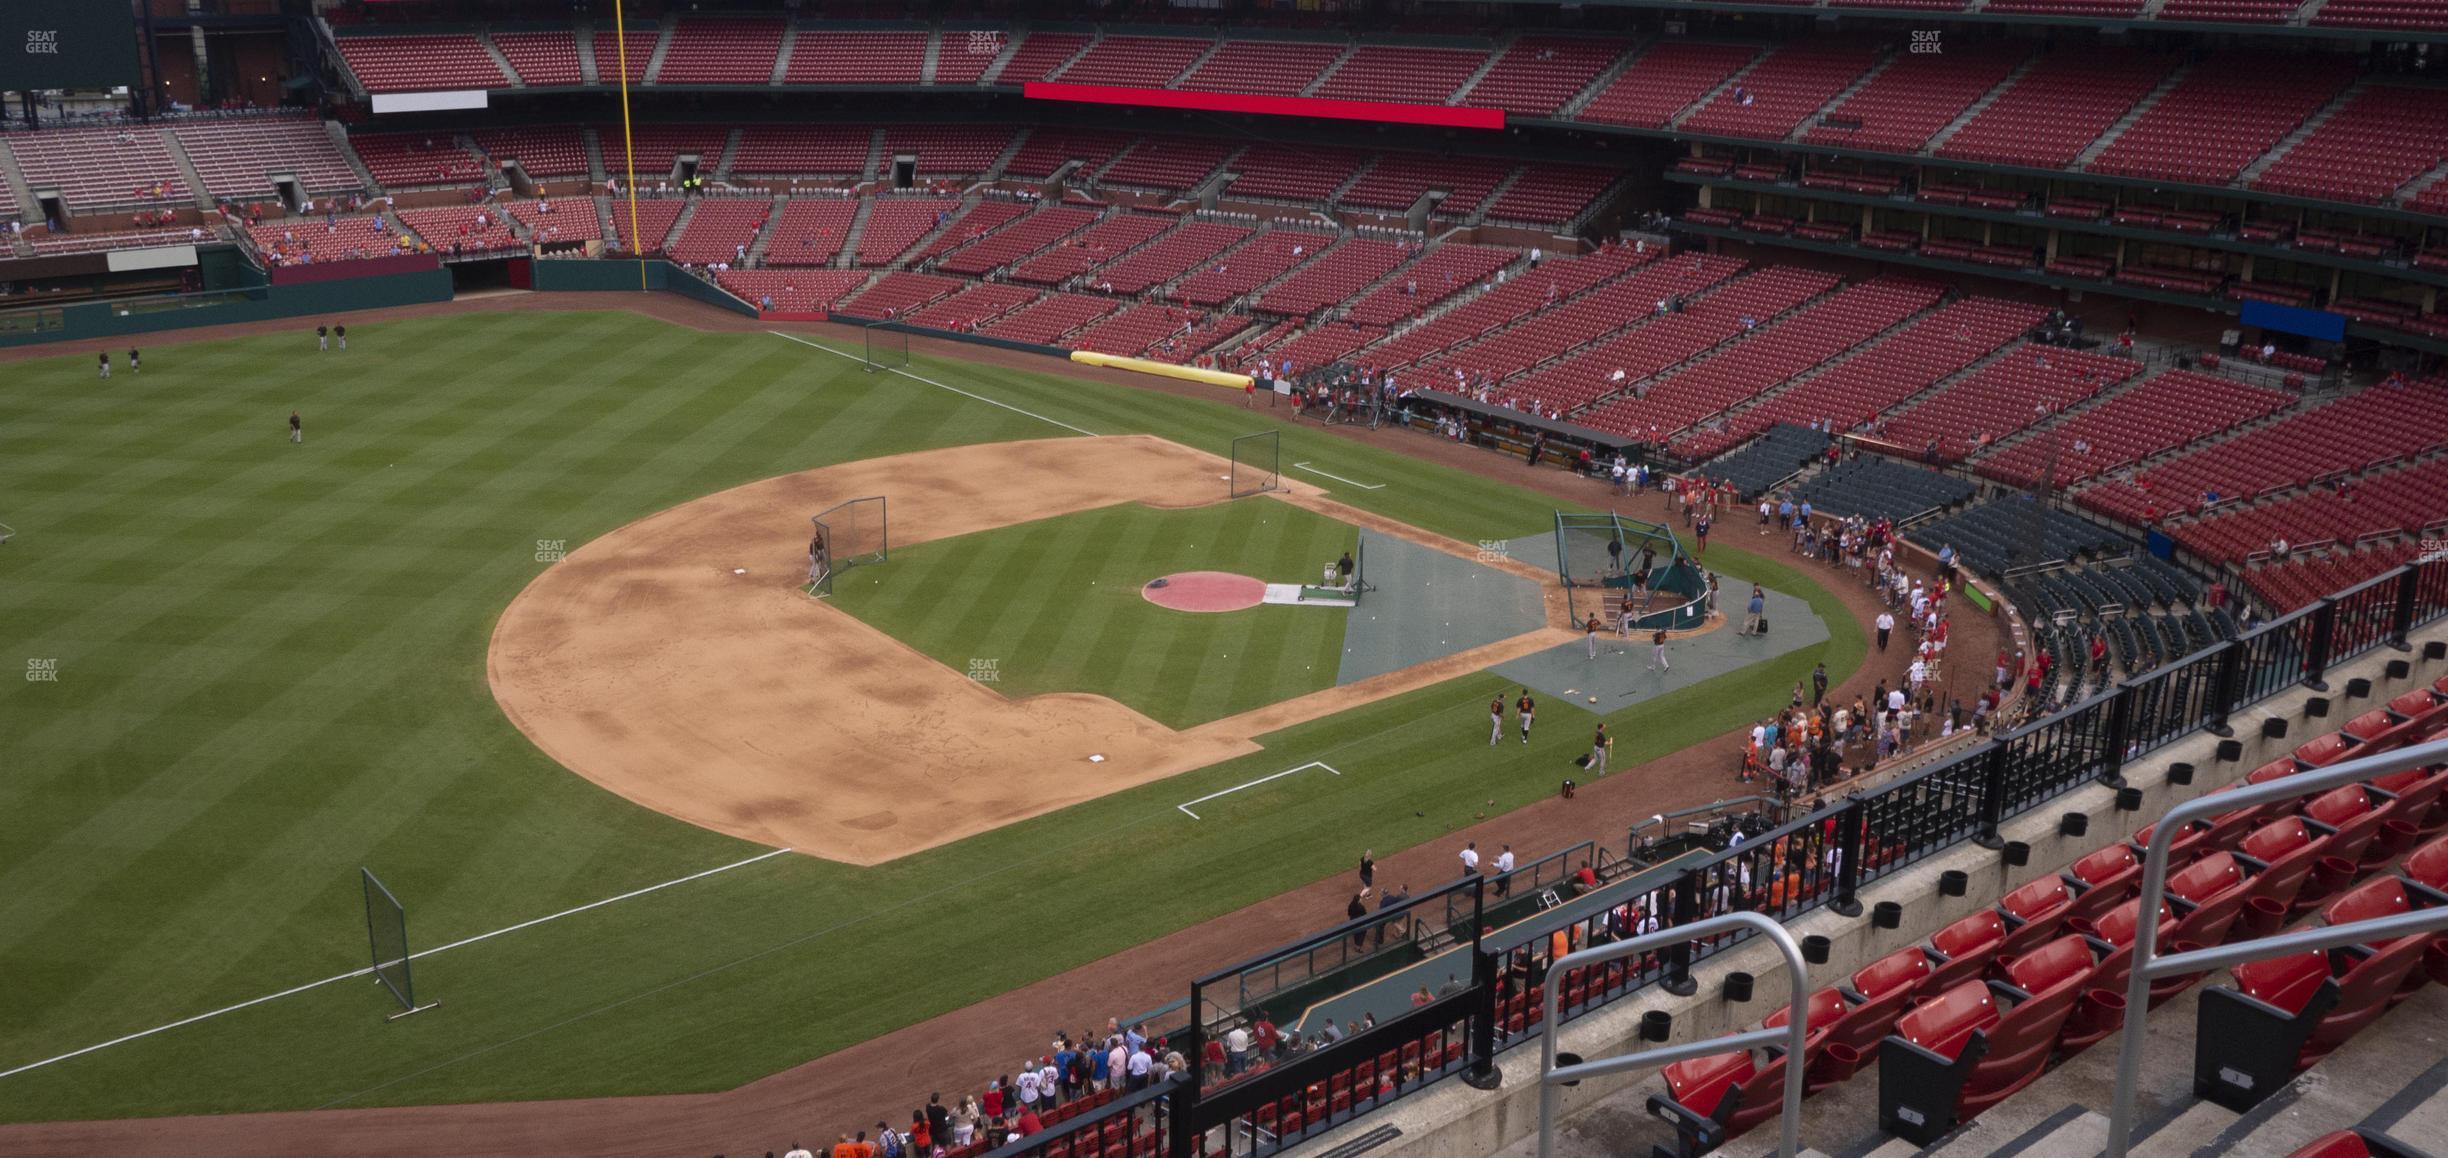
(1678, 979)
(2226, 685)
(2316, 654)
(1180, 1103)
(1993, 798)
(2120, 732)
(1848, 859)
(1481, 1072)
(2402, 621)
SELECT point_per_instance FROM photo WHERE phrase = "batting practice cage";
(851, 534)
(1600, 559)
(887, 346)
(387, 936)
(1257, 461)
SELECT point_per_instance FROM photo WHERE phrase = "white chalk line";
(369, 970)
(1185, 808)
(933, 383)
(1338, 478)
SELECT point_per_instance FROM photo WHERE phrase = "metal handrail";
(2148, 966)
(1794, 1034)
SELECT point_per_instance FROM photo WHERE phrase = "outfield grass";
(270, 671)
(1054, 606)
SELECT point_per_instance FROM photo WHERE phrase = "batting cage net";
(851, 534)
(1257, 461)
(387, 936)
(1607, 560)
(887, 346)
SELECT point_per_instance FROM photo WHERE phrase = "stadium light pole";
(620, 38)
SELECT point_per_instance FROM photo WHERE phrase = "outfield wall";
(632, 276)
(93, 321)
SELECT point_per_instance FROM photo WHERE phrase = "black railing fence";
(1810, 862)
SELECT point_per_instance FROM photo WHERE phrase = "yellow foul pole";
(620, 38)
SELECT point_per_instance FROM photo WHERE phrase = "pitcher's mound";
(1205, 591)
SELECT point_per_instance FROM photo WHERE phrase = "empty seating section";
(1251, 266)
(2057, 109)
(542, 58)
(793, 291)
(1293, 172)
(827, 150)
(1047, 319)
(456, 230)
(1556, 281)
(1397, 180)
(964, 310)
(1577, 322)
(2360, 431)
(654, 219)
(1401, 74)
(1916, 95)
(811, 231)
(660, 147)
(1794, 82)
(963, 55)
(1133, 329)
(1000, 247)
(1047, 150)
(970, 224)
(566, 221)
(1766, 358)
(545, 151)
(48, 244)
(302, 240)
(409, 160)
(1167, 162)
(948, 150)
(2092, 9)
(1882, 488)
(2002, 398)
(2391, 502)
(1203, 336)
(2165, 412)
(2013, 530)
(1911, 361)
(721, 229)
(1179, 250)
(1040, 53)
(2305, 578)
(641, 41)
(1776, 456)
(2430, 15)
(1136, 61)
(99, 168)
(2231, 11)
(2223, 116)
(1325, 343)
(1265, 67)
(1089, 248)
(2385, 136)
(1349, 267)
(421, 63)
(896, 223)
(238, 158)
(1538, 74)
(721, 51)
(1626, 358)
(1446, 270)
(829, 57)
(1551, 194)
(1664, 81)
(899, 292)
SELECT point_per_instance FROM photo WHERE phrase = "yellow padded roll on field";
(1162, 369)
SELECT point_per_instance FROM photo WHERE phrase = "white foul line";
(1338, 478)
(1227, 792)
(930, 382)
(368, 970)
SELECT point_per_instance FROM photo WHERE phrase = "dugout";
(1598, 556)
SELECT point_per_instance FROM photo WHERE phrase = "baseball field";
(449, 638)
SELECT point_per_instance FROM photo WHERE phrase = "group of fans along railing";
(1813, 861)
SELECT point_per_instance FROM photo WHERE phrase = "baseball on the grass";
(1593, 699)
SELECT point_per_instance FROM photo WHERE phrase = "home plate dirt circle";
(1205, 591)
